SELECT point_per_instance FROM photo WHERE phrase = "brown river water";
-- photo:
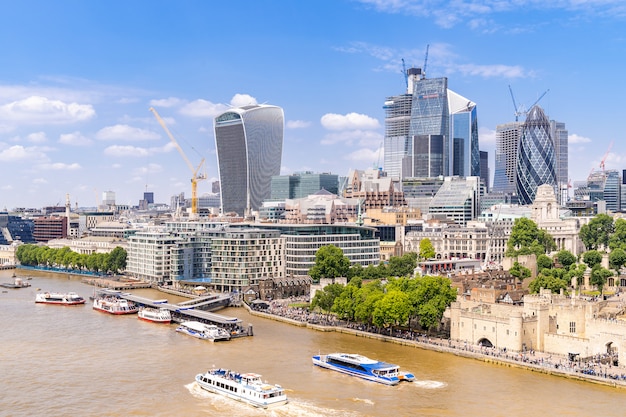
(66, 361)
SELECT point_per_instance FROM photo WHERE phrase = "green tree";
(618, 238)
(367, 296)
(544, 262)
(592, 258)
(392, 309)
(330, 262)
(117, 260)
(617, 259)
(519, 271)
(599, 276)
(526, 238)
(577, 271)
(346, 302)
(596, 234)
(325, 298)
(550, 282)
(427, 250)
(402, 266)
(432, 296)
(565, 258)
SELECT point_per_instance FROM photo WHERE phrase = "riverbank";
(533, 361)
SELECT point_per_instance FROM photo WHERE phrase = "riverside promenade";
(594, 371)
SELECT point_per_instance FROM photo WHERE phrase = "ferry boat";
(115, 305)
(155, 315)
(67, 299)
(17, 283)
(363, 367)
(203, 331)
(248, 388)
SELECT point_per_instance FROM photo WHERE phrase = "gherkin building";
(536, 160)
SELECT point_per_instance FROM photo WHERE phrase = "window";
(572, 327)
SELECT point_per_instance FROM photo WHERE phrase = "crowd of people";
(599, 366)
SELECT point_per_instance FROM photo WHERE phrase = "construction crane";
(520, 110)
(425, 62)
(406, 74)
(196, 174)
(606, 154)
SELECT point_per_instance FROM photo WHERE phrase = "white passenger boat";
(363, 367)
(68, 299)
(155, 315)
(203, 331)
(248, 388)
(115, 305)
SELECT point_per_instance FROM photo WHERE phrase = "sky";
(77, 80)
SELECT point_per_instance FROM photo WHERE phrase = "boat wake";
(294, 408)
(363, 400)
(429, 384)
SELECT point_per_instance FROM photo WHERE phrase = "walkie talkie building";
(249, 143)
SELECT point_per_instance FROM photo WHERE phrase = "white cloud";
(20, 153)
(122, 151)
(365, 156)
(125, 132)
(574, 139)
(167, 102)
(202, 108)
(149, 169)
(350, 121)
(40, 181)
(60, 166)
(297, 124)
(41, 110)
(349, 137)
(240, 100)
(486, 136)
(74, 139)
(490, 71)
(37, 137)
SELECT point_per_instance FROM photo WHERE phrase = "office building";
(430, 131)
(507, 142)
(302, 184)
(249, 143)
(48, 228)
(457, 200)
(484, 169)
(536, 161)
(559, 135)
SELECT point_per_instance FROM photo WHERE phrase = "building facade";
(507, 143)
(536, 160)
(249, 143)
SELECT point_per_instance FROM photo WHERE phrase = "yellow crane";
(196, 174)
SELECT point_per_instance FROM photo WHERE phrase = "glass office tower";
(249, 143)
(507, 142)
(536, 161)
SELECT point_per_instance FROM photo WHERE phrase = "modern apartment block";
(249, 143)
(149, 255)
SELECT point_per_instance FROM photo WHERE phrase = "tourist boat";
(67, 299)
(203, 331)
(115, 305)
(155, 315)
(363, 367)
(248, 388)
(17, 283)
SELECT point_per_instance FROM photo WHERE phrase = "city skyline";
(79, 79)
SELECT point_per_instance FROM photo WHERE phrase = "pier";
(195, 310)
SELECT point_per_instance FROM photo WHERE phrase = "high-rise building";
(426, 157)
(484, 169)
(536, 160)
(507, 142)
(108, 198)
(559, 135)
(429, 110)
(302, 184)
(249, 142)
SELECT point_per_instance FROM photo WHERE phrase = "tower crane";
(406, 75)
(606, 154)
(520, 110)
(196, 174)
(425, 62)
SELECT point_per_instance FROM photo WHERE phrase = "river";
(60, 361)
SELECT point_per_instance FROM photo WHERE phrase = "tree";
(427, 250)
(402, 266)
(432, 296)
(392, 309)
(599, 276)
(330, 262)
(526, 238)
(565, 258)
(595, 234)
(345, 304)
(550, 282)
(325, 298)
(618, 238)
(617, 259)
(367, 296)
(592, 258)
(519, 271)
(544, 262)
(577, 271)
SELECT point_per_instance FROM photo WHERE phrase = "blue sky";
(77, 79)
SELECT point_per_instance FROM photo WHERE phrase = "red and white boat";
(155, 315)
(115, 305)
(67, 299)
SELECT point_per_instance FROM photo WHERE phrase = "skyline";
(79, 78)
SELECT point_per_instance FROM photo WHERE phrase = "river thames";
(61, 361)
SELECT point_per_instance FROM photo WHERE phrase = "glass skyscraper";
(249, 143)
(559, 135)
(536, 161)
(507, 142)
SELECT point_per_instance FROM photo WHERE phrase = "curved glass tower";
(536, 161)
(249, 143)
